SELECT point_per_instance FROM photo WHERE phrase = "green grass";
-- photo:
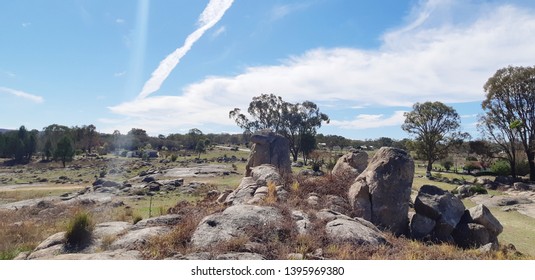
(160, 204)
(518, 229)
(23, 194)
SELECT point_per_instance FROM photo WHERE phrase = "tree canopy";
(435, 126)
(296, 122)
(510, 111)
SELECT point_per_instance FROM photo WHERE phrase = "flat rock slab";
(233, 222)
(133, 239)
(108, 255)
(353, 231)
(201, 170)
(110, 229)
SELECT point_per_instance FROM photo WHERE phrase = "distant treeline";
(54, 142)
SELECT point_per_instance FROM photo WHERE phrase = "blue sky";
(168, 66)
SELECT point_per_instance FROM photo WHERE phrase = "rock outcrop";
(269, 148)
(441, 216)
(381, 193)
(235, 221)
(254, 189)
(351, 165)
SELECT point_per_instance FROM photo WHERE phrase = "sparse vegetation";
(79, 231)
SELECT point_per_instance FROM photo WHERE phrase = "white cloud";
(119, 74)
(428, 59)
(280, 11)
(26, 24)
(120, 21)
(219, 31)
(22, 94)
(213, 12)
(364, 121)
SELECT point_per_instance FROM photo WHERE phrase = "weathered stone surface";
(481, 214)
(353, 231)
(235, 221)
(240, 256)
(337, 204)
(120, 254)
(302, 221)
(165, 220)
(110, 229)
(55, 239)
(253, 190)
(420, 225)
(359, 198)
(266, 173)
(135, 238)
(269, 148)
(388, 179)
(243, 193)
(47, 253)
(351, 165)
(471, 235)
(520, 186)
(440, 206)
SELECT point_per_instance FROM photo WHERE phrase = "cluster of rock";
(254, 188)
(441, 216)
(110, 240)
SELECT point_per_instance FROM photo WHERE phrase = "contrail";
(22, 94)
(213, 12)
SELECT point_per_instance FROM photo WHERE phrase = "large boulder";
(388, 179)
(269, 148)
(481, 214)
(351, 165)
(420, 226)
(343, 229)
(442, 207)
(471, 235)
(235, 221)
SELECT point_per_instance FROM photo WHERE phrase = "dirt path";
(39, 187)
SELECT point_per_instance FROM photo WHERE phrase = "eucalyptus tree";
(509, 108)
(436, 129)
(296, 122)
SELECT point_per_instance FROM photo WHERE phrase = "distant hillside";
(2, 130)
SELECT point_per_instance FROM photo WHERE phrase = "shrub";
(478, 189)
(136, 219)
(501, 168)
(272, 193)
(79, 232)
(522, 168)
(174, 157)
(447, 164)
